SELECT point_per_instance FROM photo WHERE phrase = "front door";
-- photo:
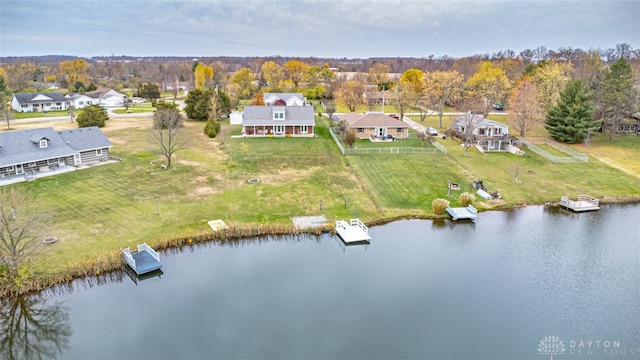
(19, 169)
(77, 160)
(278, 129)
(381, 131)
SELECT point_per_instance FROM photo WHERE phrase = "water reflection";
(33, 328)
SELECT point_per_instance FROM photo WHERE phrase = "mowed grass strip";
(96, 211)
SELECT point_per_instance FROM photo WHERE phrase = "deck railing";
(582, 199)
(472, 209)
(129, 258)
(147, 248)
(358, 223)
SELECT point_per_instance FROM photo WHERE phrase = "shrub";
(440, 206)
(467, 199)
(350, 138)
(212, 128)
(93, 115)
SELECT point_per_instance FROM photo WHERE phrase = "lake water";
(522, 284)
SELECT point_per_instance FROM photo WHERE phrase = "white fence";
(388, 150)
(573, 156)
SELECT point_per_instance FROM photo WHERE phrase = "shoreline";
(112, 262)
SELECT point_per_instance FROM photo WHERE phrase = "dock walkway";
(353, 232)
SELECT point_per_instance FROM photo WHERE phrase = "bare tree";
(405, 98)
(20, 226)
(525, 111)
(166, 130)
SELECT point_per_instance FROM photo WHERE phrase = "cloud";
(347, 28)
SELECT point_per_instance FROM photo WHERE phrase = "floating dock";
(353, 232)
(145, 260)
(461, 213)
(584, 203)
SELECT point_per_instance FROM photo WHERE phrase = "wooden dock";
(143, 261)
(461, 213)
(353, 232)
(584, 203)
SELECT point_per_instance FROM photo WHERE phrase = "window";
(278, 115)
(98, 152)
(400, 130)
(43, 143)
(361, 130)
(481, 131)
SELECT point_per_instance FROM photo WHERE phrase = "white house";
(108, 97)
(39, 102)
(488, 135)
(289, 99)
(79, 101)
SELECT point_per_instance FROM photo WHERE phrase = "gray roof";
(27, 98)
(18, 147)
(263, 115)
(284, 96)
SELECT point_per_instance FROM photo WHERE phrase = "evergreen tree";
(570, 120)
(92, 115)
(617, 95)
(198, 104)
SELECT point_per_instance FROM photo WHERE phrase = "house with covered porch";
(39, 102)
(278, 121)
(487, 135)
(26, 155)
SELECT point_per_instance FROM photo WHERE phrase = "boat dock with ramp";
(353, 232)
(143, 261)
(584, 203)
(460, 213)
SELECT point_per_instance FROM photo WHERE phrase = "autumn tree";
(21, 222)
(272, 74)
(74, 71)
(550, 77)
(406, 96)
(442, 87)
(525, 112)
(379, 73)
(490, 83)
(93, 115)
(258, 100)
(413, 78)
(295, 70)
(618, 98)
(243, 80)
(349, 94)
(570, 120)
(167, 123)
(21, 75)
(200, 75)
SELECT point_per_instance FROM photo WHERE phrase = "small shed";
(235, 117)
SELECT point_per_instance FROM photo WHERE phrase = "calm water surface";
(422, 289)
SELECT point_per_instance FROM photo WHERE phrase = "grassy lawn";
(31, 115)
(136, 108)
(98, 210)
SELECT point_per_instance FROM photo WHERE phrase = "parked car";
(388, 137)
(432, 131)
(498, 106)
(395, 116)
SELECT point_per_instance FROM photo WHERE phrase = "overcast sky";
(303, 28)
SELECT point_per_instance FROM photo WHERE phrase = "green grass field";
(98, 210)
